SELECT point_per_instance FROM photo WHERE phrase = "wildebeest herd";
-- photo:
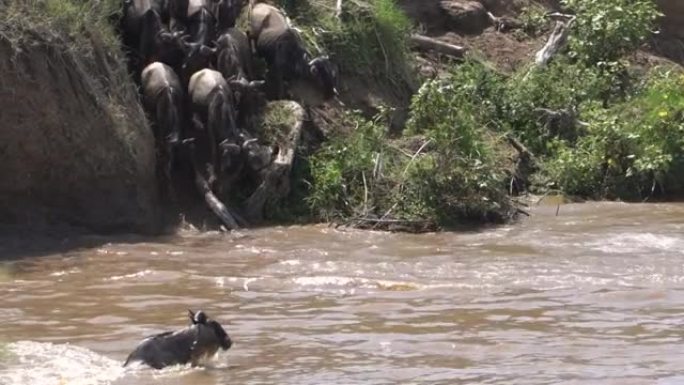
(195, 70)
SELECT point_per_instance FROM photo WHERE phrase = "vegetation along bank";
(448, 112)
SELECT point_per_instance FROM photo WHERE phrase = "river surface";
(593, 295)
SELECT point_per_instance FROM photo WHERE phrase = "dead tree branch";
(557, 39)
(425, 43)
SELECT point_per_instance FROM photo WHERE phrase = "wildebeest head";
(200, 318)
(324, 73)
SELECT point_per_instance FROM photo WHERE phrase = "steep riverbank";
(76, 146)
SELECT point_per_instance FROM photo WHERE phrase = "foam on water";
(637, 242)
(39, 363)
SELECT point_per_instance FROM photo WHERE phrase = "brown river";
(593, 295)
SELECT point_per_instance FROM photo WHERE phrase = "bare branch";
(557, 40)
(425, 43)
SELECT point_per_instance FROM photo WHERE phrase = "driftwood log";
(275, 178)
(425, 43)
(557, 40)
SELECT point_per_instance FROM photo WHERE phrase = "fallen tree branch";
(224, 213)
(522, 150)
(216, 206)
(557, 39)
(425, 43)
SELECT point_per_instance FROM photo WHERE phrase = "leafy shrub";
(443, 173)
(342, 169)
(633, 150)
(534, 20)
(605, 30)
(465, 171)
(530, 95)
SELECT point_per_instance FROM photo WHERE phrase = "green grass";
(76, 19)
(370, 41)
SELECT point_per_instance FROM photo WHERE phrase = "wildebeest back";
(189, 345)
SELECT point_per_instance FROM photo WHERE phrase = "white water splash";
(132, 275)
(637, 242)
(39, 363)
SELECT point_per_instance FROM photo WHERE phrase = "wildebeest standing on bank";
(234, 62)
(213, 110)
(147, 38)
(201, 31)
(284, 52)
(227, 13)
(203, 338)
(163, 98)
(233, 55)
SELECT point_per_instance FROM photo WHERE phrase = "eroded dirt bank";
(74, 143)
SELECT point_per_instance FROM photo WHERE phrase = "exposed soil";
(75, 147)
(463, 22)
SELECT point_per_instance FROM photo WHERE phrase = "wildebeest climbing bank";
(196, 73)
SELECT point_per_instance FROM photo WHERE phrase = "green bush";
(605, 30)
(344, 172)
(631, 151)
(448, 169)
(534, 20)
(465, 171)
(530, 94)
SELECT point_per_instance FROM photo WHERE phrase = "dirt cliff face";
(74, 144)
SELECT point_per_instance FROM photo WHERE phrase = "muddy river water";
(594, 295)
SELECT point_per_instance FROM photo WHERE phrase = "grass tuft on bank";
(369, 40)
(78, 21)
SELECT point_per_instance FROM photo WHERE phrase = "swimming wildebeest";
(287, 58)
(163, 100)
(213, 111)
(201, 339)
